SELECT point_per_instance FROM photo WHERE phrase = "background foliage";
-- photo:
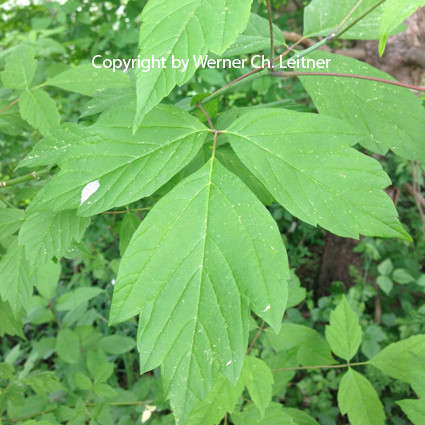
(62, 363)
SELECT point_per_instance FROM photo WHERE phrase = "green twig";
(35, 175)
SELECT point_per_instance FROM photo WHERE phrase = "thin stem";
(290, 49)
(332, 366)
(334, 36)
(337, 74)
(126, 211)
(35, 175)
(255, 337)
(417, 190)
(8, 106)
(216, 133)
(55, 316)
(213, 129)
(206, 116)
(350, 14)
(258, 72)
(130, 403)
(228, 85)
(269, 13)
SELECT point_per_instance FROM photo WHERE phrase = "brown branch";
(355, 53)
(206, 116)
(417, 196)
(417, 190)
(255, 337)
(213, 129)
(55, 316)
(269, 13)
(294, 37)
(8, 106)
(254, 71)
(337, 74)
(378, 308)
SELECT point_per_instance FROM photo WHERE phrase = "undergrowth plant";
(208, 260)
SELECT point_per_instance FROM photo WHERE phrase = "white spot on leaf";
(88, 190)
(148, 413)
(146, 416)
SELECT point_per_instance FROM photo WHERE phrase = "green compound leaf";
(222, 398)
(396, 360)
(344, 333)
(206, 250)
(394, 13)
(369, 106)
(256, 37)
(274, 415)
(88, 80)
(306, 163)
(49, 234)
(16, 278)
(182, 29)
(258, 379)
(414, 409)
(322, 17)
(39, 110)
(358, 399)
(117, 167)
(20, 68)
(10, 221)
